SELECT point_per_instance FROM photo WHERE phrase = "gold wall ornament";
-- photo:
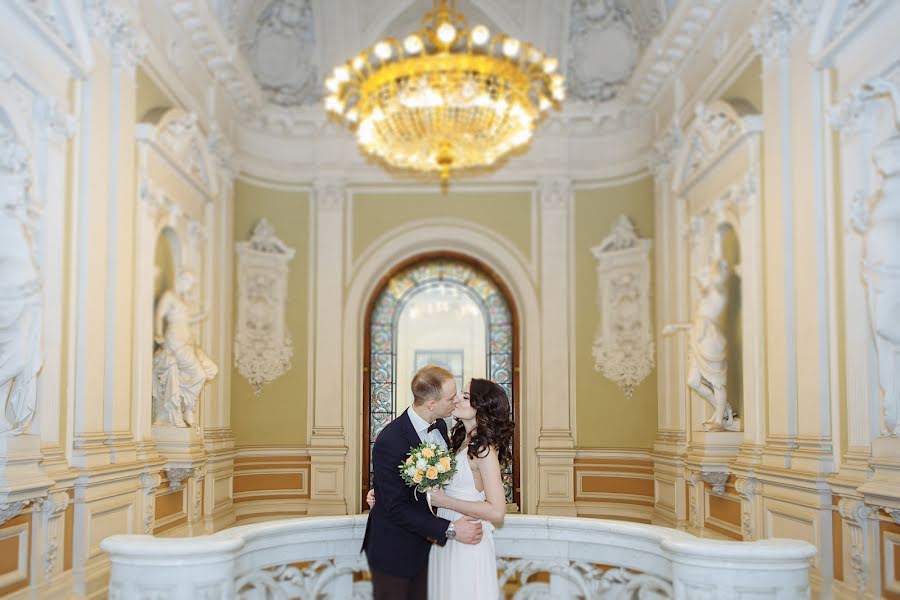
(446, 98)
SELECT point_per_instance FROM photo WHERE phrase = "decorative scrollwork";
(314, 581)
(623, 347)
(716, 479)
(588, 581)
(177, 475)
(262, 345)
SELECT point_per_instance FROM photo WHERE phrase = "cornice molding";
(222, 58)
(670, 49)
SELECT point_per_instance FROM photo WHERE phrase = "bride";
(481, 442)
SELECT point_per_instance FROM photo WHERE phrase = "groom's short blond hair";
(428, 383)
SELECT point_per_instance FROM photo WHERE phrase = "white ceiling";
(290, 45)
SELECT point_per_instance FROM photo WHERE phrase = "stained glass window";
(384, 378)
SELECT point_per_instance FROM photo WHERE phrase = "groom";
(401, 529)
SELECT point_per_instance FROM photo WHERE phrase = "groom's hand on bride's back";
(468, 530)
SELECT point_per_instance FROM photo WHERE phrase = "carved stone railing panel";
(583, 558)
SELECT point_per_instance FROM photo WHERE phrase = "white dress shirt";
(421, 426)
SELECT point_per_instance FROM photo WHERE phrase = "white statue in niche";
(707, 349)
(180, 367)
(20, 315)
(879, 223)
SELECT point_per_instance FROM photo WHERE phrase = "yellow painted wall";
(507, 213)
(278, 416)
(604, 418)
(149, 95)
(748, 85)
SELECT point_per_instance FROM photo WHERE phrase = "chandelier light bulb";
(332, 85)
(480, 35)
(413, 44)
(359, 62)
(446, 33)
(383, 50)
(550, 65)
(511, 47)
(342, 74)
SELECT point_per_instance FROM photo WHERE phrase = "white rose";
(421, 463)
(440, 468)
(432, 446)
(411, 471)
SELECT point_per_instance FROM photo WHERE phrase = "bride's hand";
(370, 498)
(438, 498)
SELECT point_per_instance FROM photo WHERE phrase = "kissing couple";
(412, 553)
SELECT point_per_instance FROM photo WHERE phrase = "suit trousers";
(393, 587)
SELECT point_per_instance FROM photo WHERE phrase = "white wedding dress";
(458, 571)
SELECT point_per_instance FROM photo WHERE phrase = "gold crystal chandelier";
(446, 98)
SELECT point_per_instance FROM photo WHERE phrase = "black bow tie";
(438, 424)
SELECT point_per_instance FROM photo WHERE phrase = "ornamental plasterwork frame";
(623, 346)
(726, 132)
(281, 48)
(171, 145)
(589, 21)
(262, 343)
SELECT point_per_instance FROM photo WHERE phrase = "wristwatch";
(451, 531)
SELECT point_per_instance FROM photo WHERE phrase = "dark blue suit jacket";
(399, 528)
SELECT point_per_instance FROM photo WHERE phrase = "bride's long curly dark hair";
(493, 424)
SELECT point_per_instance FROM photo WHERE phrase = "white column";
(778, 211)
(55, 127)
(89, 229)
(556, 444)
(670, 444)
(328, 446)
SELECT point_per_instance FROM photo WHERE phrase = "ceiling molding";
(222, 57)
(670, 49)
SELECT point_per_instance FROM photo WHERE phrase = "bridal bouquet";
(428, 467)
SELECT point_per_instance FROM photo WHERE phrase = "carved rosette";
(623, 347)
(262, 346)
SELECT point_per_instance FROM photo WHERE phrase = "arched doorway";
(437, 283)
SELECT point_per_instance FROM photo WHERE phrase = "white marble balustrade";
(255, 562)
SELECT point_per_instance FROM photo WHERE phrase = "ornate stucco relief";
(280, 46)
(623, 346)
(262, 345)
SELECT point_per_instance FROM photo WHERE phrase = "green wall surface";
(507, 213)
(278, 417)
(604, 418)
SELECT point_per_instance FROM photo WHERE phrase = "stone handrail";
(317, 557)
